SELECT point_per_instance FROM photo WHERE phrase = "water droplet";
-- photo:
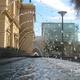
(75, 49)
(59, 24)
(53, 42)
(56, 40)
(57, 48)
(75, 57)
(69, 43)
(61, 31)
(67, 35)
(64, 48)
(62, 43)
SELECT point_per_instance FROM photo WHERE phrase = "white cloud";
(54, 17)
(59, 5)
(69, 17)
(64, 17)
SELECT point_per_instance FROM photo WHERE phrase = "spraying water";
(7, 6)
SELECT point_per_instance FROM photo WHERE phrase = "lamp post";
(62, 13)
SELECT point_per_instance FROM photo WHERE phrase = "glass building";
(54, 34)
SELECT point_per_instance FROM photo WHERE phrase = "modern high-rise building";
(17, 24)
(52, 33)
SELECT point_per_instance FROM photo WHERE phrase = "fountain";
(42, 67)
(23, 42)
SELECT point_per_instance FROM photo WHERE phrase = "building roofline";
(28, 5)
(56, 23)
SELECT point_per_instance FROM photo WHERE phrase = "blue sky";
(48, 12)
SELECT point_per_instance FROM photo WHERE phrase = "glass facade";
(53, 32)
(64, 40)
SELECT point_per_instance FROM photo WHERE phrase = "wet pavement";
(40, 69)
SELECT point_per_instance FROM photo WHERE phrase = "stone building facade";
(27, 27)
(13, 24)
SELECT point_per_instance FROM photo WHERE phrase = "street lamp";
(62, 13)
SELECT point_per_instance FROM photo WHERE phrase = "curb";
(7, 62)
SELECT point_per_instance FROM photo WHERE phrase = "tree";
(29, 0)
(77, 5)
